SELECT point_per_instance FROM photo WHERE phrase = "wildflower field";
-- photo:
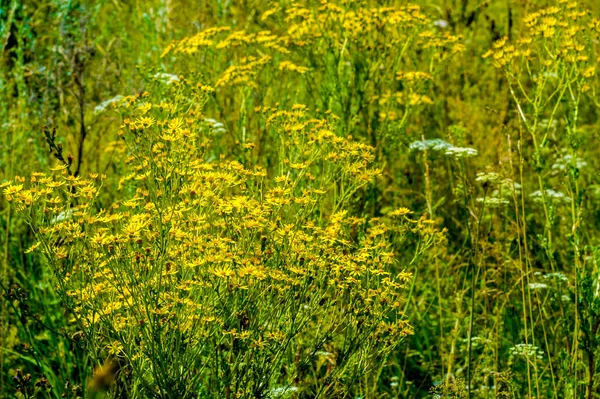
(299, 199)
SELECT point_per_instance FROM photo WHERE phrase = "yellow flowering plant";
(375, 64)
(209, 277)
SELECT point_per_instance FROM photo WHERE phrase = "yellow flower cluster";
(367, 26)
(554, 33)
(192, 44)
(51, 192)
(243, 73)
(248, 66)
(218, 251)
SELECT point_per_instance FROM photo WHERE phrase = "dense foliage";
(332, 199)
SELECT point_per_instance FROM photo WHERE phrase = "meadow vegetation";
(310, 199)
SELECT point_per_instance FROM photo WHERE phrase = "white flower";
(441, 145)
(433, 144)
(555, 195)
(461, 152)
(489, 177)
(537, 286)
(441, 23)
(166, 77)
(556, 276)
(64, 215)
(217, 126)
(527, 350)
(567, 160)
(281, 391)
(102, 106)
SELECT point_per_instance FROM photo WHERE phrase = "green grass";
(313, 199)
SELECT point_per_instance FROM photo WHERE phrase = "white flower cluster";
(64, 215)
(433, 145)
(103, 105)
(558, 276)
(501, 195)
(168, 78)
(217, 127)
(441, 145)
(441, 23)
(495, 178)
(282, 392)
(489, 177)
(461, 152)
(567, 160)
(526, 350)
(553, 195)
(537, 286)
